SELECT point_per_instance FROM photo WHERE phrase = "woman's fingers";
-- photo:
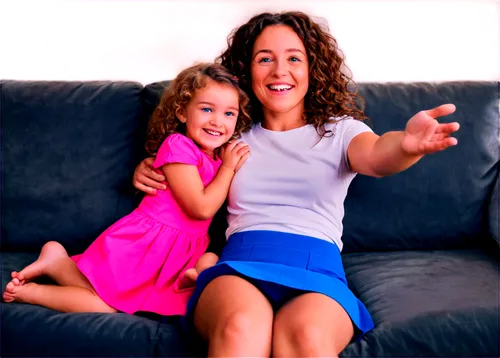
(448, 127)
(442, 110)
(148, 162)
(436, 146)
(155, 176)
(153, 183)
(145, 189)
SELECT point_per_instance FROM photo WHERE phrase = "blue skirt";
(283, 266)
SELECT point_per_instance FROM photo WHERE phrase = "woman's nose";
(280, 68)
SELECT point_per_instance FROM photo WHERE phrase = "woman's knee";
(231, 307)
(243, 326)
(302, 338)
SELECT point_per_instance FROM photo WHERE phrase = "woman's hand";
(146, 179)
(424, 135)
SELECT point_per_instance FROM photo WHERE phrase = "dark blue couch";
(421, 247)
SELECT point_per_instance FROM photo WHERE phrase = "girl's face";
(211, 116)
(280, 70)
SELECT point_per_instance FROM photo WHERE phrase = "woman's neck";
(281, 122)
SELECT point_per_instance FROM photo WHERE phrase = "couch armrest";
(494, 212)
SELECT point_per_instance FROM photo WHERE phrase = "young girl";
(135, 265)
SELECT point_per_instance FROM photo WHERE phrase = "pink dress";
(135, 264)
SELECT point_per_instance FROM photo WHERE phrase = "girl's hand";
(234, 155)
(424, 135)
(146, 179)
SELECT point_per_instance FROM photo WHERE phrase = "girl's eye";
(207, 110)
(230, 114)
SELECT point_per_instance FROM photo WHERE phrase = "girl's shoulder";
(177, 148)
(178, 140)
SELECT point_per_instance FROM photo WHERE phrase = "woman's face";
(280, 70)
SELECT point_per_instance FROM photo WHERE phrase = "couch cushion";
(34, 331)
(434, 303)
(442, 201)
(68, 153)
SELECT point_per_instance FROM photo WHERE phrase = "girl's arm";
(201, 202)
(394, 152)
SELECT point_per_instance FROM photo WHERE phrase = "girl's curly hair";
(328, 94)
(179, 93)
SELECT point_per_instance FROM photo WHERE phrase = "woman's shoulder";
(343, 123)
(250, 131)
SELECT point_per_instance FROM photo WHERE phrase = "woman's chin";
(281, 109)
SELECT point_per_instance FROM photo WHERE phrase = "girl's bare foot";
(51, 252)
(15, 275)
(7, 297)
(18, 293)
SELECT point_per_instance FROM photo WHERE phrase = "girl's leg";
(76, 293)
(235, 318)
(311, 325)
(59, 298)
(55, 263)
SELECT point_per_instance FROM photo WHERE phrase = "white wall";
(148, 41)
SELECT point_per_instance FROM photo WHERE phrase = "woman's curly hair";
(328, 94)
(179, 93)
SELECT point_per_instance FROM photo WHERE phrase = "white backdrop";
(148, 41)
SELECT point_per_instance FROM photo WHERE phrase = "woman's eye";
(294, 59)
(206, 109)
(265, 60)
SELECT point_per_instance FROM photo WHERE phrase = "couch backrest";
(68, 154)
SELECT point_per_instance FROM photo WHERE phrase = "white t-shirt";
(294, 181)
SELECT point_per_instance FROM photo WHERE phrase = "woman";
(279, 287)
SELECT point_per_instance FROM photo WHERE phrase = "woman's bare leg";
(311, 325)
(235, 318)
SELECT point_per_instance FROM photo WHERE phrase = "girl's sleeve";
(177, 148)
